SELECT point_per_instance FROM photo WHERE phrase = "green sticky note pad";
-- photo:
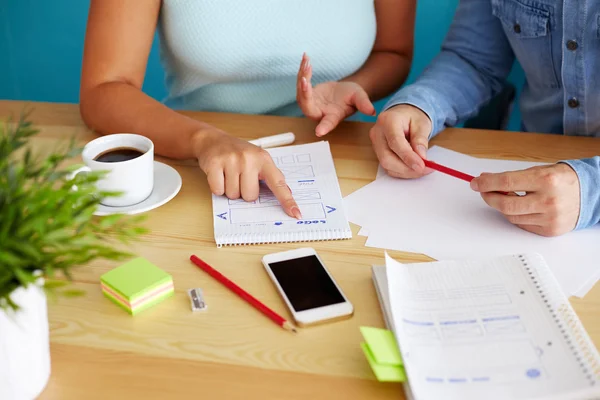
(382, 344)
(383, 372)
(135, 278)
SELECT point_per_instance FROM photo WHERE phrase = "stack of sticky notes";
(137, 285)
(382, 353)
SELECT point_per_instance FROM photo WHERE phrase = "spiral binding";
(567, 321)
(234, 239)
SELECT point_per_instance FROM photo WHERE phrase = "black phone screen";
(306, 283)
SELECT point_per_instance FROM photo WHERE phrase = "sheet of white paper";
(589, 285)
(442, 217)
(481, 329)
(310, 173)
(363, 232)
(572, 258)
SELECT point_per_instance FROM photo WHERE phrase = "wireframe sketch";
(297, 171)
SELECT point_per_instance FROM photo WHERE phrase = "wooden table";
(231, 351)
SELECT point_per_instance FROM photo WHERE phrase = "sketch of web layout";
(310, 174)
(267, 208)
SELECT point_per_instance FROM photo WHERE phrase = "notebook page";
(479, 329)
(310, 174)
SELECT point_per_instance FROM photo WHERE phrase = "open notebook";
(499, 328)
(310, 173)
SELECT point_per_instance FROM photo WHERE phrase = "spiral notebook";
(499, 328)
(310, 173)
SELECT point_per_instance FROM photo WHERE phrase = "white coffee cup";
(134, 178)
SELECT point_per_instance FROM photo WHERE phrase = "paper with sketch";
(498, 328)
(440, 216)
(310, 174)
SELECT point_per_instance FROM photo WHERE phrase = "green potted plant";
(47, 228)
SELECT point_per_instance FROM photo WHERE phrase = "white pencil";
(275, 140)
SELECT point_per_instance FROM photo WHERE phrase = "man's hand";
(400, 140)
(329, 102)
(550, 206)
(234, 167)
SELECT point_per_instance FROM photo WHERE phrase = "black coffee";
(118, 154)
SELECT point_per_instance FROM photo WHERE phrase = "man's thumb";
(418, 141)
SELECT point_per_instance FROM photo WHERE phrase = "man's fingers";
(513, 205)
(388, 159)
(216, 181)
(418, 139)
(232, 183)
(528, 219)
(249, 185)
(539, 230)
(328, 122)
(526, 180)
(276, 182)
(363, 103)
(396, 140)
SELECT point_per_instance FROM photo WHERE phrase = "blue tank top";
(243, 56)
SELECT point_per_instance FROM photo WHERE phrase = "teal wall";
(44, 44)
(41, 46)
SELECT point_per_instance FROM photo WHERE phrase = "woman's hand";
(234, 167)
(329, 102)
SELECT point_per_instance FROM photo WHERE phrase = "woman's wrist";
(204, 138)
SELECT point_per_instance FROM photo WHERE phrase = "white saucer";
(167, 183)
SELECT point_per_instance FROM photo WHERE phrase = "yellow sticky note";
(383, 372)
(382, 344)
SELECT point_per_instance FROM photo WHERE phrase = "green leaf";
(24, 277)
(73, 293)
(9, 259)
(51, 285)
(58, 235)
(27, 249)
(110, 221)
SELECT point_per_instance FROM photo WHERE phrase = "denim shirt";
(557, 43)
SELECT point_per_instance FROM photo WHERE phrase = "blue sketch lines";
(297, 171)
(303, 158)
(503, 325)
(293, 159)
(421, 329)
(460, 329)
(268, 197)
(295, 166)
(240, 201)
(287, 159)
(307, 195)
(300, 170)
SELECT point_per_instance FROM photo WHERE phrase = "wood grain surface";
(231, 351)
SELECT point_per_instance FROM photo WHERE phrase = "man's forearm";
(475, 60)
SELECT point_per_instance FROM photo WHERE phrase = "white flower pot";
(24, 346)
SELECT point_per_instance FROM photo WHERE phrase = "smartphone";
(308, 289)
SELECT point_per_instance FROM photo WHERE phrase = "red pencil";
(452, 172)
(279, 320)
(449, 171)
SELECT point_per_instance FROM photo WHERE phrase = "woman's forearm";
(118, 107)
(382, 74)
